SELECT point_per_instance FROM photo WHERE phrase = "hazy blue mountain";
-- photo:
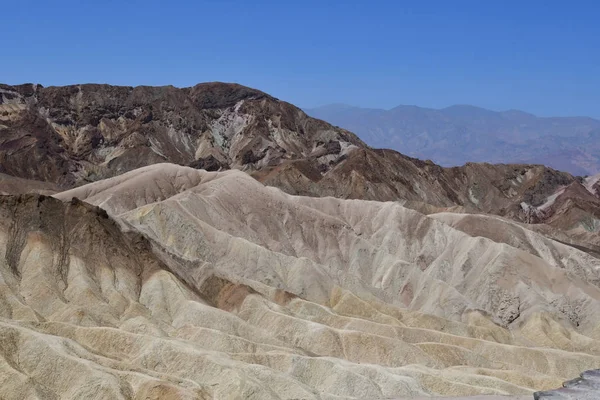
(457, 134)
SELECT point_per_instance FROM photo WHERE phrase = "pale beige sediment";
(253, 293)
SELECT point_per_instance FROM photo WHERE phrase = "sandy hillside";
(189, 284)
(210, 285)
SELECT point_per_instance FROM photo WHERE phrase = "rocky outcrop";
(78, 134)
(586, 387)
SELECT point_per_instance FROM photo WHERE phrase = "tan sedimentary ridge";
(210, 285)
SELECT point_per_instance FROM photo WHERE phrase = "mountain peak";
(80, 133)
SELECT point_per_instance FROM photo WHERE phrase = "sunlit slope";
(352, 298)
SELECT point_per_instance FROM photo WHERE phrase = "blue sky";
(539, 56)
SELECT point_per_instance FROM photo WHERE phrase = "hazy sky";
(539, 56)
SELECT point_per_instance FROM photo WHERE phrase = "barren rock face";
(83, 133)
(78, 134)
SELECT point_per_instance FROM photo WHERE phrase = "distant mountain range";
(455, 135)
